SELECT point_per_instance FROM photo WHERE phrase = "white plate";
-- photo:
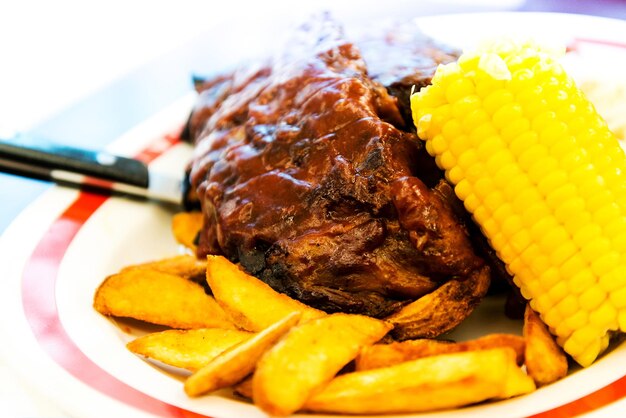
(61, 247)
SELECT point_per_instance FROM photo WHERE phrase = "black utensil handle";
(39, 158)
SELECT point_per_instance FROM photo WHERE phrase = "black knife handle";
(45, 157)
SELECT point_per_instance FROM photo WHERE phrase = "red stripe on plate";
(39, 301)
(588, 403)
(578, 42)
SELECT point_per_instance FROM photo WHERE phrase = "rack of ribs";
(310, 175)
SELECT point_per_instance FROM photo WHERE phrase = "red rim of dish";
(40, 308)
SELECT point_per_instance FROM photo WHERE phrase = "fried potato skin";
(518, 382)
(310, 355)
(187, 349)
(441, 310)
(252, 304)
(244, 388)
(159, 298)
(431, 383)
(186, 266)
(383, 355)
(185, 228)
(234, 364)
(545, 360)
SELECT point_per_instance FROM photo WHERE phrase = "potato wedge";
(310, 355)
(426, 384)
(252, 304)
(383, 355)
(517, 383)
(234, 364)
(185, 228)
(188, 349)
(441, 310)
(545, 360)
(159, 298)
(186, 266)
(244, 388)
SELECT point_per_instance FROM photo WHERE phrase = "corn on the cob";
(543, 177)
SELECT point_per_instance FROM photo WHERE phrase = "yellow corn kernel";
(520, 143)
(541, 168)
(564, 193)
(568, 306)
(439, 144)
(619, 243)
(503, 174)
(538, 230)
(553, 317)
(562, 253)
(561, 331)
(471, 203)
(544, 179)
(533, 214)
(581, 281)
(496, 101)
(604, 343)
(613, 282)
(540, 303)
(592, 298)
(447, 160)
(621, 318)
(464, 106)
(583, 337)
(587, 233)
(513, 129)
(596, 248)
(498, 240)
(455, 174)
(501, 165)
(551, 181)
(463, 189)
(578, 320)
(459, 89)
(606, 213)
(604, 316)
(521, 240)
(615, 228)
(604, 264)
(511, 225)
(589, 354)
(618, 298)
(558, 292)
(550, 277)
(521, 80)
(568, 211)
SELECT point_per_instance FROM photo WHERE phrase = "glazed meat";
(403, 59)
(309, 177)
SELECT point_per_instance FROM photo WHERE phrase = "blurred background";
(55, 53)
(81, 73)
